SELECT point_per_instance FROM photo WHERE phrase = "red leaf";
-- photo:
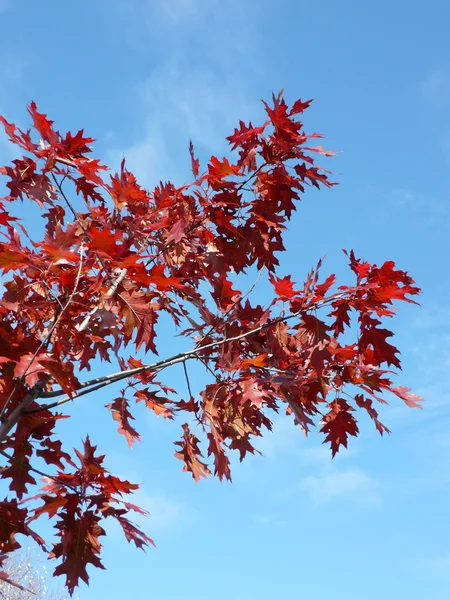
(252, 393)
(194, 161)
(189, 453)
(139, 313)
(122, 415)
(51, 506)
(224, 295)
(155, 403)
(299, 106)
(177, 232)
(382, 351)
(411, 400)
(162, 282)
(220, 169)
(43, 125)
(221, 460)
(339, 424)
(12, 259)
(258, 361)
(133, 534)
(79, 546)
(63, 373)
(124, 189)
(284, 288)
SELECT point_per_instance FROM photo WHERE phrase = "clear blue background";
(144, 77)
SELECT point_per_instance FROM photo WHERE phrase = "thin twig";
(112, 290)
(122, 275)
(30, 468)
(205, 364)
(99, 382)
(187, 379)
(75, 214)
(233, 306)
(45, 341)
(115, 283)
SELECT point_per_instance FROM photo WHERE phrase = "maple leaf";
(133, 534)
(194, 161)
(224, 295)
(177, 231)
(51, 506)
(340, 312)
(124, 189)
(43, 125)
(221, 460)
(219, 169)
(79, 546)
(367, 405)
(63, 373)
(105, 242)
(411, 400)
(245, 134)
(155, 403)
(16, 136)
(322, 288)
(284, 287)
(91, 464)
(139, 313)
(339, 423)
(53, 454)
(162, 282)
(121, 414)
(76, 145)
(189, 453)
(299, 106)
(258, 361)
(14, 521)
(251, 392)
(12, 259)
(18, 471)
(382, 350)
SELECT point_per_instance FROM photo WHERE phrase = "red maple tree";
(111, 258)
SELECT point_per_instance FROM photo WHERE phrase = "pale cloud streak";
(349, 484)
(432, 209)
(193, 90)
(176, 107)
(435, 90)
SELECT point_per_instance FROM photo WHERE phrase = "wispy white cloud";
(287, 439)
(193, 90)
(177, 106)
(435, 90)
(165, 514)
(163, 511)
(180, 10)
(269, 520)
(432, 209)
(349, 484)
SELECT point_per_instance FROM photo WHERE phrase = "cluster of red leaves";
(112, 258)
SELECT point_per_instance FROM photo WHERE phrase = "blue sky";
(144, 77)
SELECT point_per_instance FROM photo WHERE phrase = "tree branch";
(99, 382)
